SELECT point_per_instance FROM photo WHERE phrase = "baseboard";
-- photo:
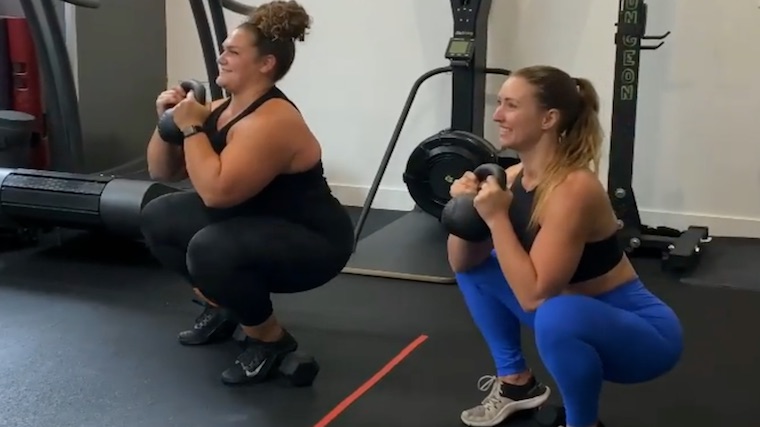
(720, 225)
(394, 199)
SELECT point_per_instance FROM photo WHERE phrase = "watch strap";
(192, 130)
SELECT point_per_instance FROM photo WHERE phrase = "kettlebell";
(167, 129)
(460, 217)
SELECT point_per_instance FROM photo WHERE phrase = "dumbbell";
(167, 129)
(299, 369)
(549, 416)
(460, 217)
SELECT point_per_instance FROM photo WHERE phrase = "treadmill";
(108, 201)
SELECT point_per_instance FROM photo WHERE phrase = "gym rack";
(414, 246)
(679, 250)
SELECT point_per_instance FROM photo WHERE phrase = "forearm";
(464, 255)
(515, 263)
(166, 162)
(203, 166)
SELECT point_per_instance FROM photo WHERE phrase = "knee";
(155, 216)
(208, 257)
(555, 318)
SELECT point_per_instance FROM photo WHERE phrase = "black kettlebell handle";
(460, 217)
(167, 129)
(199, 91)
(487, 169)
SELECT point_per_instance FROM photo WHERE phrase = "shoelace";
(485, 383)
(492, 383)
(206, 316)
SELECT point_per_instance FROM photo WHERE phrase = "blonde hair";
(581, 135)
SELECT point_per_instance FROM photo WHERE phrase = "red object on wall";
(26, 92)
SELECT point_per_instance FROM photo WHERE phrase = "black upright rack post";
(467, 55)
(207, 46)
(679, 250)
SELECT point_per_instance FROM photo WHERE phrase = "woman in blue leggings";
(553, 261)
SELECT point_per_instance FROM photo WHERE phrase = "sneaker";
(504, 400)
(259, 361)
(213, 324)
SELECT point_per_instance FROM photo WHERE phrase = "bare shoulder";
(281, 109)
(580, 193)
(276, 123)
(580, 199)
(581, 185)
(277, 115)
(512, 172)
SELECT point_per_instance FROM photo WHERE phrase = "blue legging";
(625, 336)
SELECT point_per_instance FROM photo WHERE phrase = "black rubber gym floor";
(89, 341)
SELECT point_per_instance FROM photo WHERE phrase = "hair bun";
(281, 19)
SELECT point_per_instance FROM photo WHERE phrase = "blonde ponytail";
(580, 145)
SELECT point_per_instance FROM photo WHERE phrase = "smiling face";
(522, 119)
(241, 63)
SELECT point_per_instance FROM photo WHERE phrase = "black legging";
(237, 262)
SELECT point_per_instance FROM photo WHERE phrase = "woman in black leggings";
(262, 218)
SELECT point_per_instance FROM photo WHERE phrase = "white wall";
(350, 79)
(698, 93)
(698, 151)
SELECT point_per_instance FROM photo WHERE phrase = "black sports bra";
(598, 257)
(291, 196)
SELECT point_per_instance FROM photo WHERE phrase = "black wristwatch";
(191, 130)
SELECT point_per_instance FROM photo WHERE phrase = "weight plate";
(440, 159)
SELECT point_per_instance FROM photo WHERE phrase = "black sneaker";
(259, 361)
(213, 324)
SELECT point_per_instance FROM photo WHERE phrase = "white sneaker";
(495, 408)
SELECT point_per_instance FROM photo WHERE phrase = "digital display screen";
(459, 47)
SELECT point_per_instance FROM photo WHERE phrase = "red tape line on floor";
(364, 388)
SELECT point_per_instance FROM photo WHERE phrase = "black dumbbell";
(167, 129)
(299, 369)
(460, 217)
(549, 416)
